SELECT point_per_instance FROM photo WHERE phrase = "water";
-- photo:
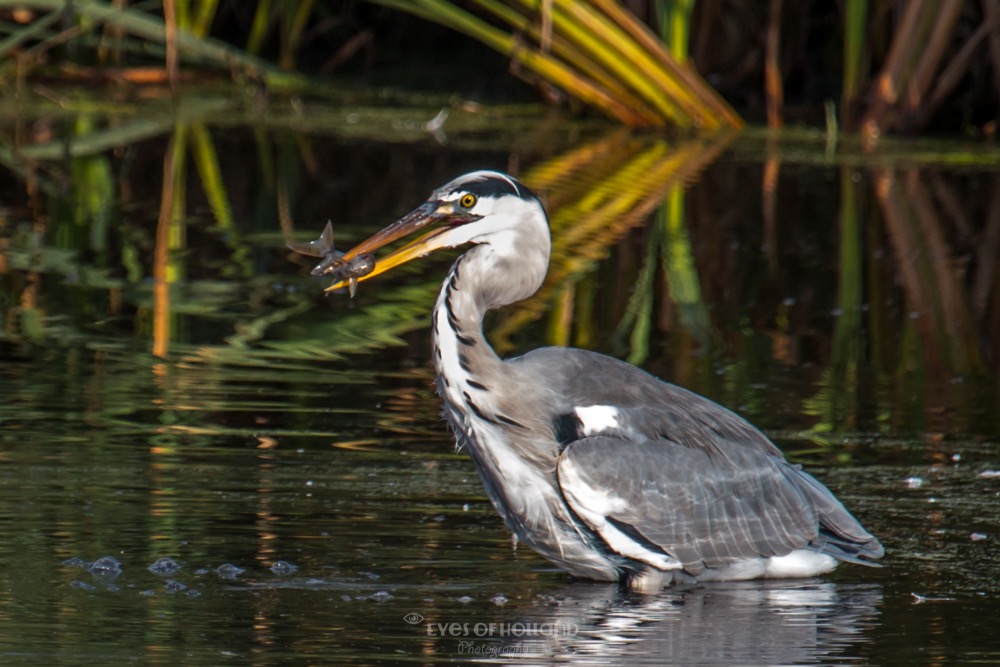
(206, 405)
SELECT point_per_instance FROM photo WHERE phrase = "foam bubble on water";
(164, 565)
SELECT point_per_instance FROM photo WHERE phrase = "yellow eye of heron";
(467, 201)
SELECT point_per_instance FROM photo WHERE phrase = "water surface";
(174, 385)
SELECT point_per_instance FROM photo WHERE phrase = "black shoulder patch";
(566, 428)
(634, 533)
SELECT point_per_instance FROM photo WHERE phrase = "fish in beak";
(333, 263)
(359, 264)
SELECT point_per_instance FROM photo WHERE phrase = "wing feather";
(702, 510)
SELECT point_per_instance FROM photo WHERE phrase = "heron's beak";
(423, 216)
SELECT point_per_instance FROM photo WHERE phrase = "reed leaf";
(149, 27)
(596, 52)
(715, 107)
(569, 52)
(542, 64)
(35, 30)
(626, 49)
(613, 49)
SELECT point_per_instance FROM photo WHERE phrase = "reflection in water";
(661, 254)
(856, 304)
(933, 288)
(753, 623)
(397, 527)
(594, 195)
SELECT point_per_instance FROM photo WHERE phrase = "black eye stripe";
(494, 186)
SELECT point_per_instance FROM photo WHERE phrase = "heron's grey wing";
(700, 482)
(646, 405)
(671, 505)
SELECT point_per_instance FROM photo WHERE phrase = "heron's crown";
(486, 184)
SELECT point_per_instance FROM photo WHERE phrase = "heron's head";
(481, 207)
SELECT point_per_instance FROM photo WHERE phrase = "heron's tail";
(840, 534)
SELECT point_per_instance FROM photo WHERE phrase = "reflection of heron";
(744, 623)
(600, 467)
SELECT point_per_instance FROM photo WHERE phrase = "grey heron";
(603, 469)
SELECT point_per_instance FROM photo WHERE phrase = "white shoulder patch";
(596, 419)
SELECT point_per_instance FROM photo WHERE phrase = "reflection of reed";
(670, 246)
(929, 274)
(171, 204)
(986, 282)
(594, 195)
(836, 403)
(84, 260)
(194, 140)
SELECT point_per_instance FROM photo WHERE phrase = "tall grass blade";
(201, 22)
(855, 42)
(929, 61)
(955, 70)
(564, 48)
(675, 26)
(293, 35)
(774, 90)
(260, 27)
(907, 42)
(603, 41)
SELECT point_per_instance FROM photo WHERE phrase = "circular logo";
(413, 618)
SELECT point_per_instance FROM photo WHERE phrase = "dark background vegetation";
(772, 60)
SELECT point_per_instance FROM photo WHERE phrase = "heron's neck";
(462, 357)
(480, 280)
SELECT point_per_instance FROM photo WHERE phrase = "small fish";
(333, 263)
